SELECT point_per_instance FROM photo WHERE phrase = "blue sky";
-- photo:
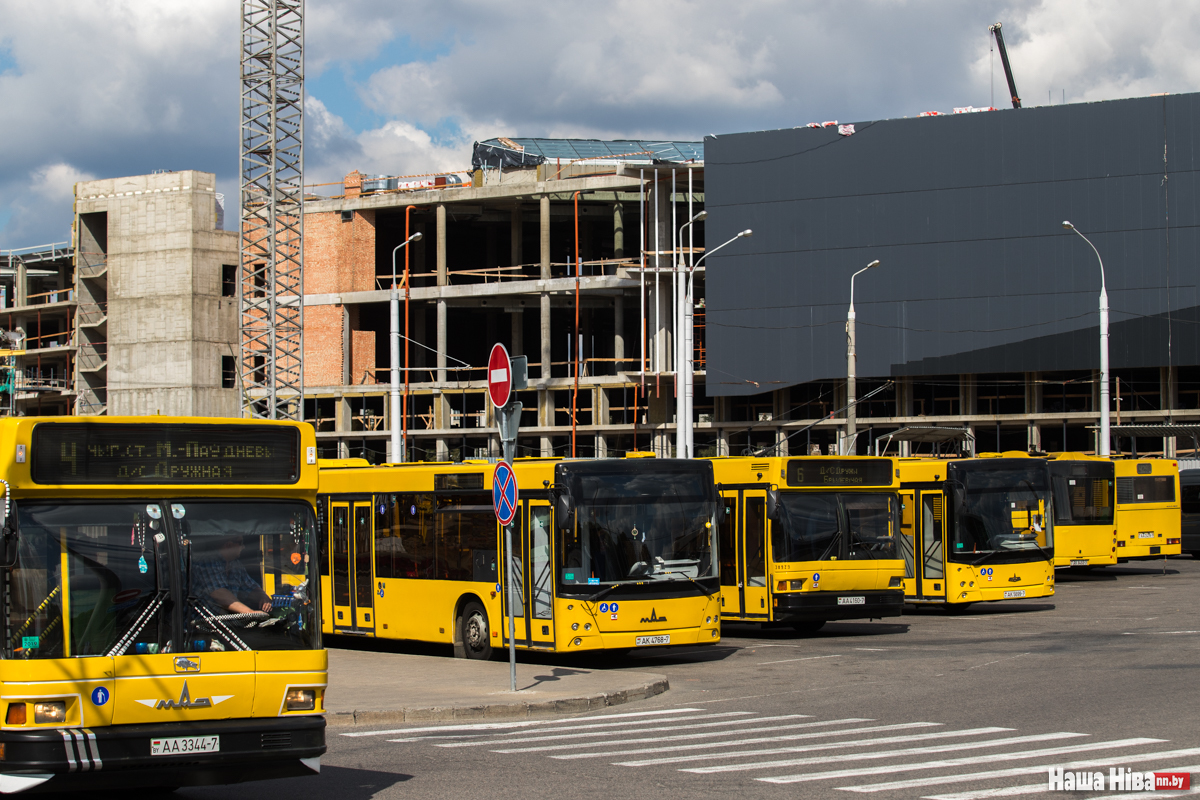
(404, 87)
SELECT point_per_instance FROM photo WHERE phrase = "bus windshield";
(1083, 492)
(635, 524)
(999, 511)
(160, 576)
(820, 526)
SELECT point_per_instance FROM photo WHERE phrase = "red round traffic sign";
(504, 493)
(499, 376)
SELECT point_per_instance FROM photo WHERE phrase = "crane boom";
(1012, 84)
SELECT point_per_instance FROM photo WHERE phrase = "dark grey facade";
(965, 212)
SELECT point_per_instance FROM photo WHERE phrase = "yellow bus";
(608, 554)
(161, 625)
(810, 539)
(1148, 508)
(976, 529)
(1085, 530)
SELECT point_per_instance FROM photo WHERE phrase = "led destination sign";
(65, 453)
(839, 472)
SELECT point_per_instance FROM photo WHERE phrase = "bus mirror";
(8, 548)
(564, 510)
(773, 505)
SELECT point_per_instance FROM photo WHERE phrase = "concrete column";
(341, 414)
(546, 419)
(544, 219)
(443, 278)
(21, 293)
(545, 337)
(618, 230)
(347, 353)
(516, 237)
(441, 341)
(968, 393)
(1033, 436)
(618, 334)
(518, 332)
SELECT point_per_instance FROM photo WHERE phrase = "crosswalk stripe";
(907, 751)
(587, 734)
(774, 751)
(484, 726)
(651, 739)
(762, 739)
(918, 783)
(959, 762)
(1044, 787)
(626, 723)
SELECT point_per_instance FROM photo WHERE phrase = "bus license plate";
(1014, 593)
(1079, 562)
(1145, 534)
(852, 601)
(183, 745)
(644, 640)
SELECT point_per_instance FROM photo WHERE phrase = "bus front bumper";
(118, 756)
(814, 606)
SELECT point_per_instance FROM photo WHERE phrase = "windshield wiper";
(603, 592)
(987, 556)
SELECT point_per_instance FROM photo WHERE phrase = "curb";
(514, 710)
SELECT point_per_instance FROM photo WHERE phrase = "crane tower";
(271, 279)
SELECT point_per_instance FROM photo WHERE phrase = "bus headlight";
(301, 699)
(51, 712)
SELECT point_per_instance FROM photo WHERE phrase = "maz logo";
(654, 617)
(185, 701)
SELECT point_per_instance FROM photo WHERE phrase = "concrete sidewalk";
(371, 688)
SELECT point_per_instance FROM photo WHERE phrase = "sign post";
(506, 375)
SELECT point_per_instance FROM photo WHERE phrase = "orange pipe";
(575, 394)
(406, 249)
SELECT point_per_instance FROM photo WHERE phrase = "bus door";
(520, 606)
(931, 577)
(353, 579)
(539, 576)
(908, 536)
(743, 553)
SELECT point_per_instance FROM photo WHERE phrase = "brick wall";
(339, 256)
(323, 345)
(362, 356)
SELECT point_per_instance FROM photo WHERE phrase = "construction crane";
(271, 281)
(1012, 84)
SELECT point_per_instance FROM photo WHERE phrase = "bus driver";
(224, 582)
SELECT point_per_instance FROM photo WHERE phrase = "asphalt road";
(926, 705)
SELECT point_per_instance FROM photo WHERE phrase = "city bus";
(1148, 508)
(810, 539)
(161, 625)
(609, 554)
(1085, 531)
(976, 529)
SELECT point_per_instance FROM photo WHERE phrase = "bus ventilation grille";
(272, 741)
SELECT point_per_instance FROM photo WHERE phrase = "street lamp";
(681, 405)
(689, 375)
(1104, 449)
(851, 358)
(394, 309)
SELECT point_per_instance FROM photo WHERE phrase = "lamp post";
(689, 375)
(394, 309)
(851, 358)
(1105, 448)
(681, 360)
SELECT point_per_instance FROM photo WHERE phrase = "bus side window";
(728, 542)
(931, 533)
(756, 541)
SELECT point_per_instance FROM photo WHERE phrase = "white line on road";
(808, 748)
(489, 737)
(788, 660)
(484, 726)
(959, 762)
(585, 734)
(650, 739)
(907, 751)
(791, 737)
(1017, 771)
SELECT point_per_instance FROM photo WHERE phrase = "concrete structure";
(37, 314)
(985, 312)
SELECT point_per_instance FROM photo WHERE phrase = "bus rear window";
(1146, 489)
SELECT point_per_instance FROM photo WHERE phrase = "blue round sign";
(816, 577)
(100, 695)
(504, 493)
(612, 607)
(604, 608)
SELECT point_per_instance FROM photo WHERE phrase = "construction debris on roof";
(513, 152)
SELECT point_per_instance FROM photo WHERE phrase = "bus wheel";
(475, 634)
(808, 626)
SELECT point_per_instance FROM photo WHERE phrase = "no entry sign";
(504, 493)
(499, 376)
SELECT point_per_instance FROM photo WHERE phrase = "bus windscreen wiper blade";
(603, 592)
(986, 556)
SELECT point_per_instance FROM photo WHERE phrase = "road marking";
(688, 726)
(915, 737)
(483, 726)
(742, 742)
(1156, 633)
(1009, 773)
(789, 660)
(1004, 791)
(908, 751)
(1016, 771)
(872, 649)
(488, 737)
(651, 739)
(958, 762)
